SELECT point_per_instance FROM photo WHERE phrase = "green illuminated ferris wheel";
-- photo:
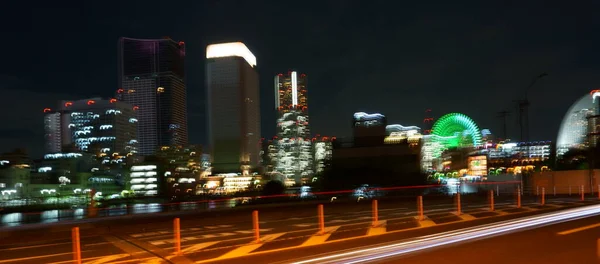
(456, 130)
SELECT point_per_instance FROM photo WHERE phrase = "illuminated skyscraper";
(53, 131)
(152, 79)
(322, 151)
(233, 107)
(294, 146)
(92, 125)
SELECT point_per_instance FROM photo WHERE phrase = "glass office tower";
(233, 108)
(152, 79)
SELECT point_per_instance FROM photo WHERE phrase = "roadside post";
(177, 235)
(76, 245)
(256, 226)
(321, 213)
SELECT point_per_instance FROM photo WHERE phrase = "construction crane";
(523, 108)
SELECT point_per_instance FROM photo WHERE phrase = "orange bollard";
(321, 214)
(421, 216)
(375, 213)
(458, 211)
(519, 198)
(582, 193)
(76, 245)
(256, 226)
(491, 200)
(543, 202)
(177, 235)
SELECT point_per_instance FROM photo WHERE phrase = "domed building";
(573, 130)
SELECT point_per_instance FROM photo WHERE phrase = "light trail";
(451, 237)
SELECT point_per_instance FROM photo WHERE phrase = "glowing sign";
(368, 123)
(294, 88)
(399, 128)
(67, 104)
(46, 110)
(91, 102)
(362, 116)
(477, 165)
(113, 100)
(233, 49)
(485, 132)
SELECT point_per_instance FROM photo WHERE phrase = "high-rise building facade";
(233, 107)
(92, 125)
(53, 131)
(152, 79)
(294, 159)
(322, 151)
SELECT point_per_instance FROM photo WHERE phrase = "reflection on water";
(79, 213)
(466, 187)
(188, 206)
(12, 219)
(146, 208)
(50, 216)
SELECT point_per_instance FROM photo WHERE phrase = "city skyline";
(314, 132)
(439, 70)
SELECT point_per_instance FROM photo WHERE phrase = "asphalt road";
(474, 252)
(571, 242)
(207, 236)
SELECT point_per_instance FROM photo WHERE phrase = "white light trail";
(277, 92)
(294, 88)
(436, 240)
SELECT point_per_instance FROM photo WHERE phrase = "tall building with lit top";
(92, 125)
(152, 79)
(233, 107)
(294, 146)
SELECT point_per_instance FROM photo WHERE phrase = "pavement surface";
(571, 242)
(285, 232)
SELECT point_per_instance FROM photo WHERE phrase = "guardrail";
(399, 192)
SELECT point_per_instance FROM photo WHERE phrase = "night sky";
(394, 57)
